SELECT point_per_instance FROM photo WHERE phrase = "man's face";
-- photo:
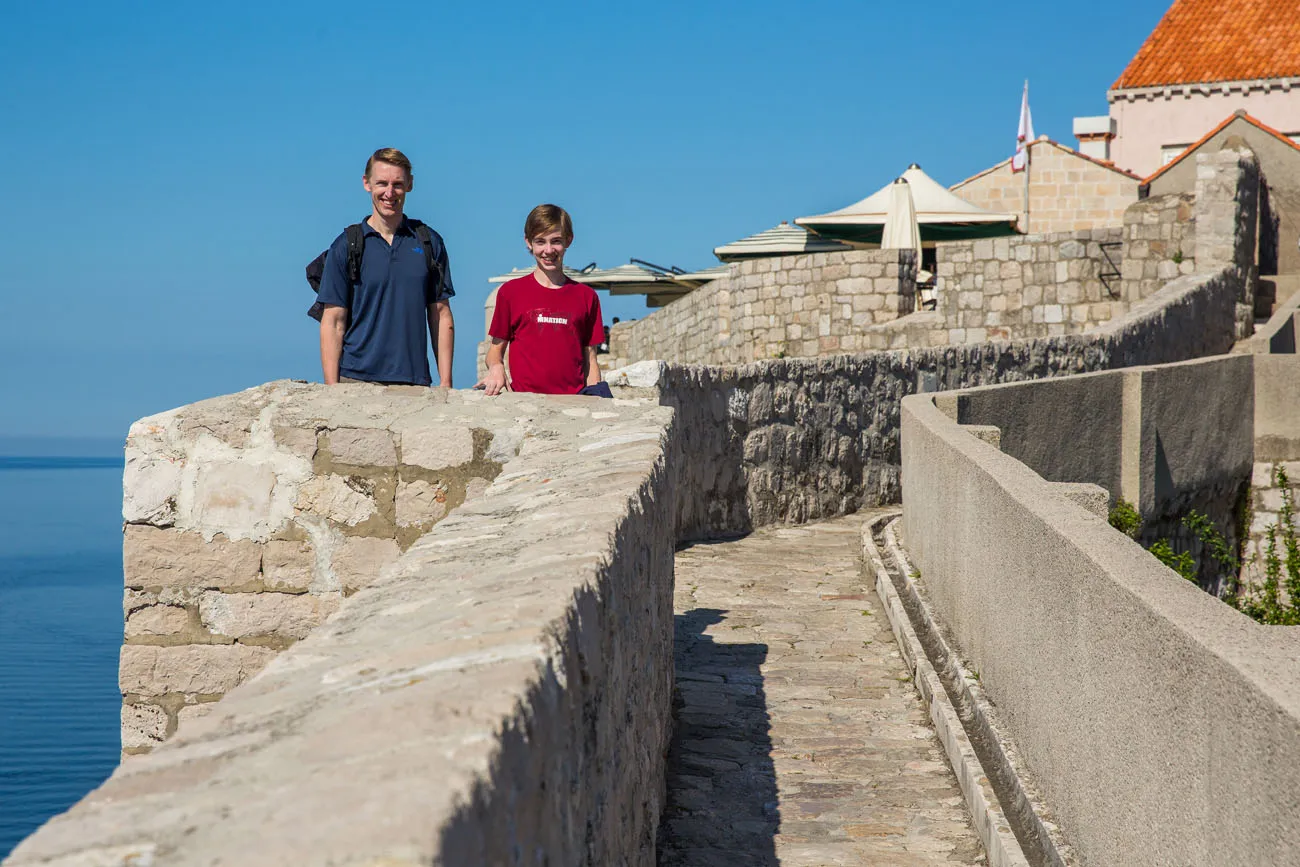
(387, 185)
(548, 249)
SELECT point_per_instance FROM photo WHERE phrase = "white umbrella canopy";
(940, 214)
(782, 240)
(901, 231)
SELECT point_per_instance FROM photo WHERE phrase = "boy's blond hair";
(548, 218)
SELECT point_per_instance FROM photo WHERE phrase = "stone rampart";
(1020, 287)
(808, 305)
(250, 516)
(501, 689)
(798, 439)
(1159, 244)
(1159, 725)
(1027, 286)
(1277, 446)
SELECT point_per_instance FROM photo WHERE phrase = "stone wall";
(1277, 445)
(799, 439)
(1168, 439)
(1068, 191)
(249, 517)
(1012, 288)
(1159, 244)
(1227, 217)
(499, 694)
(1028, 286)
(807, 305)
(1159, 725)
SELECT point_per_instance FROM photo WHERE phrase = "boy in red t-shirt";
(552, 324)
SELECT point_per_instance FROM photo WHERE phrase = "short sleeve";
(501, 319)
(445, 288)
(597, 335)
(334, 288)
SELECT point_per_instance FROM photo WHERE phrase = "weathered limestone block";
(437, 448)
(143, 726)
(194, 711)
(233, 497)
(300, 442)
(344, 500)
(288, 566)
(420, 502)
(202, 669)
(157, 620)
(358, 560)
(154, 557)
(151, 484)
(244, 615)
(363, 448)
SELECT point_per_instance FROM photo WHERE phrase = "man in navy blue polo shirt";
(375, 331)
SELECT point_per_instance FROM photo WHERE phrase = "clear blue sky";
(173, 166)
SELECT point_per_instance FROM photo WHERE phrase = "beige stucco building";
(1205, 60)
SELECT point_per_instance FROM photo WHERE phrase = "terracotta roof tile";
(1218, 40)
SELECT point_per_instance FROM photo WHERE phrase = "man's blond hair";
(393, 157)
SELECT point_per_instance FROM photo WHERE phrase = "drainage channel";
(1017, 828)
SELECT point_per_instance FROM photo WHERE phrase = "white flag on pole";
(1024, 134)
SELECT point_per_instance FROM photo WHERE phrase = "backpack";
(357, 245)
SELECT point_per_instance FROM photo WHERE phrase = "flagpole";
(1028, 162)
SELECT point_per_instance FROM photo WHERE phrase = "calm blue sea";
(60, 630)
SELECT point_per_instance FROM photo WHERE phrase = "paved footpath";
(800, 739)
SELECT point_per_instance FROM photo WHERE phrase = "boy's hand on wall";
(495, 381)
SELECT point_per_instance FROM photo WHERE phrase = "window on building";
(1168, 153)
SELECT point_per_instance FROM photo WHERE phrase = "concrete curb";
(1000, 843)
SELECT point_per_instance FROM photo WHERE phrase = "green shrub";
(1125, 518)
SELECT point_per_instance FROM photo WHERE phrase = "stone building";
(1068, 190)
(1205, 60)
(1279, 163)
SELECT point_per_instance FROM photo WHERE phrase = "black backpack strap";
(435, 255)
(356, 238)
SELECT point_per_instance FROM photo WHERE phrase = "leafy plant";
(1180, 561)
(1264, 602)
(1177, 258)
(1125, 518)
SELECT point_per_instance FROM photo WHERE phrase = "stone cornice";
(1202, 88)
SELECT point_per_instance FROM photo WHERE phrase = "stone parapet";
(1159, 725)
(993, 289)
(1027, 286)
(1227, 217)
(1159, 244)
(501, 689)
(789, 306)
(251, 516)
(794, 440)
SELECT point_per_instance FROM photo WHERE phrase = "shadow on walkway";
(722, 800)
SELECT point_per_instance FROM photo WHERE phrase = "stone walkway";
(800, 739)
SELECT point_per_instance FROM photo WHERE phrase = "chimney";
(1094, 135)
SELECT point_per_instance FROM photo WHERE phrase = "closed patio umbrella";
(901, 231)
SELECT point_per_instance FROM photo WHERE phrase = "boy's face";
(548, 249)
(387, 185)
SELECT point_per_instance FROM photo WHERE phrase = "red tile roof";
(1218, 40)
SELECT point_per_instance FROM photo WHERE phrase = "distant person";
(373, 329)
(552, 324)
